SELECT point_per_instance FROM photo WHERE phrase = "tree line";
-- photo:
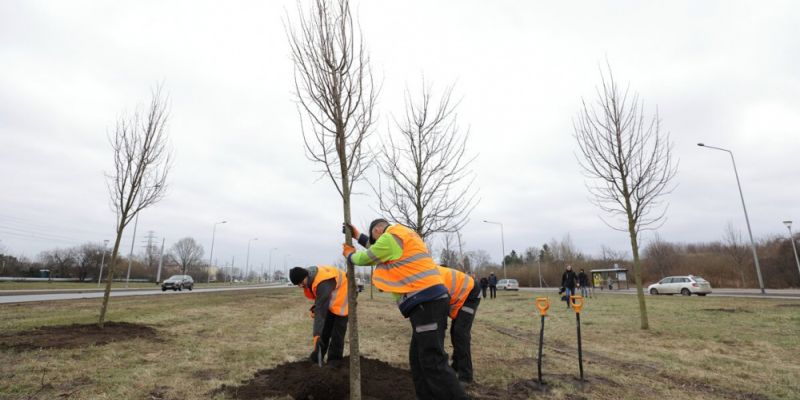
(727, 262)
(83, 262)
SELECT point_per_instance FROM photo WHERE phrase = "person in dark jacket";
(583, 283)
(327, 287)
(568, 282)
(492, 285)
(484, 286)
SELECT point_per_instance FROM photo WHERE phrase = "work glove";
(347, 251)
(311, 311)
(362, 239)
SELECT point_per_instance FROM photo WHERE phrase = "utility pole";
(160, 260)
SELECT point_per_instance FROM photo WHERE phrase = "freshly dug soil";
(75, 336)
(303, 380)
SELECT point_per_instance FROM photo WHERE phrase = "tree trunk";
(110, 278)
(637, 272)
(352, 287)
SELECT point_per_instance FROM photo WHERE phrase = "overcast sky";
(724, 73)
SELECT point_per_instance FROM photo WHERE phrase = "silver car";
(685, 285)
(508, 284)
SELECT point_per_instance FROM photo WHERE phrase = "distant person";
(583, 284)
(484, 286)
(492, 285)
(465, 296)
(568, 282)
(327, 286)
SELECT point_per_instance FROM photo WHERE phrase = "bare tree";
(427, 170)
(87, 258)
(663, 254)
(336, 96)
(142, 162)
(736, 250)
(59, 261)
(448, 255)
(629, 161)
(187, 253)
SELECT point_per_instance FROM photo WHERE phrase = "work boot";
(337, 363)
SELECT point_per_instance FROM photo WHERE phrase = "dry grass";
(697, 348)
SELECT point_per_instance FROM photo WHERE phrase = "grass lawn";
(697, 348)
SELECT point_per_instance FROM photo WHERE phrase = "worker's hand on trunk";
(353, 231)
(362, 239)
(347, 250)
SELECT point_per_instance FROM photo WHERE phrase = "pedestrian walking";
(583, 284)
(569, 280)
(484, 286)
(492, 285)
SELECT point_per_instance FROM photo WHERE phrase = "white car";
(508, 284)
(685, 285)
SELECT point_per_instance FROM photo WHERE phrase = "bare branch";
(429, 180)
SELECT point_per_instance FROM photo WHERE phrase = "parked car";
(178, 282)
(685, 285)
(508, 284)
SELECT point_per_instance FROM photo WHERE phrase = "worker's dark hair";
(372, 226)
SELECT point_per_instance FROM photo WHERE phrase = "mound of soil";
(75, 336)
(302, 380)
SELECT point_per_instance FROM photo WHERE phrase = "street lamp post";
(503, 243)
(269, 269)
(211, 257)
(746, 218)
(794, 246)
(102, 262)
(247, 262)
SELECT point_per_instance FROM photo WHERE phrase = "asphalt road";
(60, 295)
(793, 294)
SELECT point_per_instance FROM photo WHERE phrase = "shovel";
(577, 304)
(542, 303)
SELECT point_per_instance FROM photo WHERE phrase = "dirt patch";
(691, 384)
(727, 310)
(788, 305)
(304, 381)
(75, 336)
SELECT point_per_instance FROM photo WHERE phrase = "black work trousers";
(332, 338)
(483, 290)
(493, 291)
(461, 337)
(433, 378)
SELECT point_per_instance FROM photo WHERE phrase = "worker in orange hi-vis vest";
(465, 296)
(404, 268)
(327, 286)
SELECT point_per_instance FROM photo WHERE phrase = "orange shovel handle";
(542, 303)
(577, 303)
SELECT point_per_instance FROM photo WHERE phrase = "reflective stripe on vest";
(459, 285)
(414, 270)
(343, 309)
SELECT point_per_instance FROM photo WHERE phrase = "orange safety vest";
(415, 270)
(339, 303)
(459, 285)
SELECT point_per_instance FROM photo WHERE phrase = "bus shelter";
(612, 278)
